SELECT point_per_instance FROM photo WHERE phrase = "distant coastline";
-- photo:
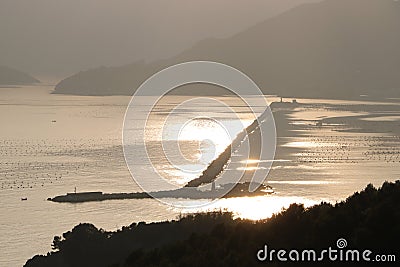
(290, 55)
(12, 77)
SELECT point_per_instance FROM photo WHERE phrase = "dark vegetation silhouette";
(367, 220)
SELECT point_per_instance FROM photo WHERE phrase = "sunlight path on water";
(254, 208)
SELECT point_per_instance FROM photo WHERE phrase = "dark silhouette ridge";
(334, 49)
(369, 219)
(9, 76)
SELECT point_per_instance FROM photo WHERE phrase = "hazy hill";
(9, 76)
(335, 48)
(58, 38)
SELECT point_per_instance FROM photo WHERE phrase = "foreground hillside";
(335, 49)
(366, 220)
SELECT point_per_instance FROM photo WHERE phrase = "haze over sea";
(50, 144)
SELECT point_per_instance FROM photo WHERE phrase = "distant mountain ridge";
(334, 48)
(9, 76)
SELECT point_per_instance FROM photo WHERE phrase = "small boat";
(267, 189)
(24, 198)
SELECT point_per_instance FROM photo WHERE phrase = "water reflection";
(309, 144)
(83, 149)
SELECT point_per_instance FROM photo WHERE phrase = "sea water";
(53, 144)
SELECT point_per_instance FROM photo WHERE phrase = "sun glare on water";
(253, 208)
(207, 132)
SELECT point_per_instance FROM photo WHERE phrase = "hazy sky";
(60, 37)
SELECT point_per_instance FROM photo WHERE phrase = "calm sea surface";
(50, 144)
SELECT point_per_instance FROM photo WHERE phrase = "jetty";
(192, 189)
(238, 190)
